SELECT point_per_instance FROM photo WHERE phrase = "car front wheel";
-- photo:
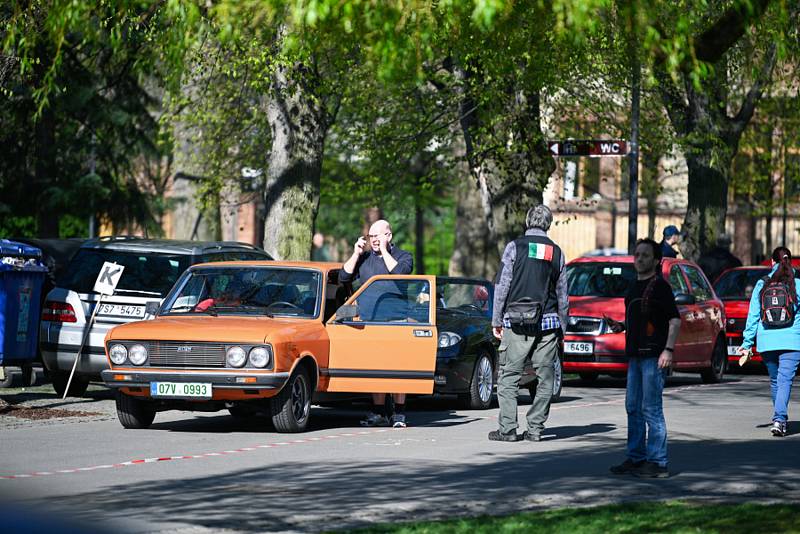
(719, 360)
(481, 386)
(291, 408)
(134, 413)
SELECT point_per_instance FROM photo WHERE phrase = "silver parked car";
(151, 268)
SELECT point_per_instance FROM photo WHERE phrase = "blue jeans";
(643, 404)
(781, 366)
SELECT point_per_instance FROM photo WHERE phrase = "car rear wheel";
(291, 408)
(481, 386)
(76, 389)
(719, 361)
(134, 413)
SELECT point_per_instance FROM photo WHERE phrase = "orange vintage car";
(265, 336)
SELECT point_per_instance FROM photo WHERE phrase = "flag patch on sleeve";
(540, 251)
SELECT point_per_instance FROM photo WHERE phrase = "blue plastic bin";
(22, 276)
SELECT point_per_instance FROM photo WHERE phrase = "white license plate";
(121, 310)
(733, 350)
(578, 347)
(180, 389)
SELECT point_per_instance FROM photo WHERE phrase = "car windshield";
(145, 273)
(600, 279)
(267, 291)
(738, 284)
(464, 296)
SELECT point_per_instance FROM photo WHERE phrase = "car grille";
(584, 325)
(178, 354)
(735, 324)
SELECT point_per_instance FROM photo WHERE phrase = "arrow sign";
(595, 148)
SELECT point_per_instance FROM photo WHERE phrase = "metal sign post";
(105, 285)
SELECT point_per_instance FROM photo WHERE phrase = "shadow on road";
(323, 492)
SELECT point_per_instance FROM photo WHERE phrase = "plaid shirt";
(550, 321)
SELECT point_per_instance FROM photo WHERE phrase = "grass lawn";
(674, 517)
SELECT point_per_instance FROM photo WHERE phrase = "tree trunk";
(46, 174)
(510, 167)
(708, 202)
(299, 126)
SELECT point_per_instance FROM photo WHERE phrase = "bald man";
(380, 258)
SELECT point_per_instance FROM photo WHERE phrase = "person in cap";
(671, 237)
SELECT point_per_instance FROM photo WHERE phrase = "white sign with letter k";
(108, 278)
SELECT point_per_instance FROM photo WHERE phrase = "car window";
(464, 296)
(403, 301)
(248, 291)
(738, 284)
(148, 273)
(676, 281)
(700, 287)
(600, 279)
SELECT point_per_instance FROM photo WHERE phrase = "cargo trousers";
(515, 350)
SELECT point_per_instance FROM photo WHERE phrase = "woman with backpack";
(774, 323)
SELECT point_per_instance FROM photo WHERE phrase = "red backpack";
(778, 306)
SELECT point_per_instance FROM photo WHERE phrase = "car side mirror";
(346, 312)
(151, 308)
(684, 299)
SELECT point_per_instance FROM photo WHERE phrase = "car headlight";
(260, 357)
(118, 354)
(448, 339)
(236, 356)
(138, 354)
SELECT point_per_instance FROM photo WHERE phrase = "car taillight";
(59, 312)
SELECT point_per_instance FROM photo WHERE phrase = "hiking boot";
(496, 435)
(374, 419)
(627, 467)
(399, 420)
(650, 470)
(778, 429)
(528, 436)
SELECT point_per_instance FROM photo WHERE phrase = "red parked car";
(735, 287)
(597, 287)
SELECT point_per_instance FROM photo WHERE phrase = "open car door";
(384, 338)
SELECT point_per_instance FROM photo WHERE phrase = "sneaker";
(374, 419)
(650, 470)
(399, 421)
(527, 436)
(627, 467)
(496, 435)
(778, 429)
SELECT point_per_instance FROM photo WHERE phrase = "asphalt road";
(208, 472)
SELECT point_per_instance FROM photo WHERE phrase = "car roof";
(322, 265)
(172, 246)
(622, 259)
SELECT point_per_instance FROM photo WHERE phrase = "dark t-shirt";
(667, 251)
(647, 326)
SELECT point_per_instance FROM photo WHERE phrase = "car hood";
(597, 307)
(220, 329)
(736, 309)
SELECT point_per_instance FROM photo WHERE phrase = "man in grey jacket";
(530, 310)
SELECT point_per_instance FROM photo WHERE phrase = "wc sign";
(596, 148)
(108, 278)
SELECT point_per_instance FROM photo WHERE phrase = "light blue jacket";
(773, 338)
